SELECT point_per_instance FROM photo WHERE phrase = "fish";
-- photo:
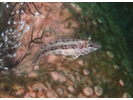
(68, 47)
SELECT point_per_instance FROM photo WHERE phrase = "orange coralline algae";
(45, 35)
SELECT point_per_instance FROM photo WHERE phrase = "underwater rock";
(90, 75)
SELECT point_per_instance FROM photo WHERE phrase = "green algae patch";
(93, 75)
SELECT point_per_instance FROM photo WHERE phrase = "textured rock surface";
(104, 73)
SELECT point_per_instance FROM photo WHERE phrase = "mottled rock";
(91, 75)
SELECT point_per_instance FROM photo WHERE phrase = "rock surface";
(91, 75)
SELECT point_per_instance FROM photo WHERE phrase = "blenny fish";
(68, 47)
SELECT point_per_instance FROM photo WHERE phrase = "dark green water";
(123, 15)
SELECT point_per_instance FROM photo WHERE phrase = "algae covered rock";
(106, 72)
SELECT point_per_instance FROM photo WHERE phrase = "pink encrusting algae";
(47, 50)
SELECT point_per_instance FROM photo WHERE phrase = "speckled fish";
(69, 47)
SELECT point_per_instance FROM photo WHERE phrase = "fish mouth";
(97, 46)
